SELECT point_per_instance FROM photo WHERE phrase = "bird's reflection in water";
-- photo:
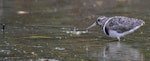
(116, 51)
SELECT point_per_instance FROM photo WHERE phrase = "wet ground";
(54, 30)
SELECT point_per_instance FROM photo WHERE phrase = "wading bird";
(117, 26)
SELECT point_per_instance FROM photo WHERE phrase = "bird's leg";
(118, 39)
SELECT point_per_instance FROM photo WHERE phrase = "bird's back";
(123, 24)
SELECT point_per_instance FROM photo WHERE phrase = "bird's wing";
(123, 24)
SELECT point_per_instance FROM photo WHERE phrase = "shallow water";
(54, 30)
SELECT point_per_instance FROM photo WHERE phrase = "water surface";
(54, 30)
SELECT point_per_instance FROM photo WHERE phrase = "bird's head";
(100, 21)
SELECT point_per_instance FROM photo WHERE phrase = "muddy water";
(54, 30)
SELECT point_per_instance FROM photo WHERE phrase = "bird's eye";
(98, 20)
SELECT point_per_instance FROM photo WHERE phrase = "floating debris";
(60, 48)
(58, 37)
(43, 59)
(76, 32)
(35, 37)
(22, 12)
(37, 46)
(5, 51)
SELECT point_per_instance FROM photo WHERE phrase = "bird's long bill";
(94, 24)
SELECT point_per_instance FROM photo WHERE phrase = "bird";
(117, 26)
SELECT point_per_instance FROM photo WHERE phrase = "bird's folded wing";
(123, 24)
